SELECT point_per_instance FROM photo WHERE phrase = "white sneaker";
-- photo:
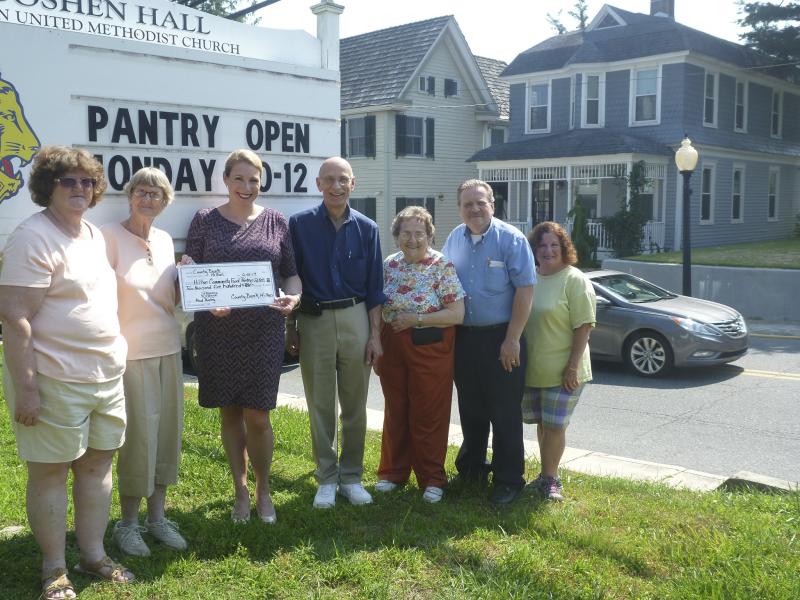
(384, 486)
(326, 496)
(355, 493)
(433, 494)
(128, 538)
(166, 532)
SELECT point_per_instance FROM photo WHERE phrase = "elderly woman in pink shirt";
(143, 258)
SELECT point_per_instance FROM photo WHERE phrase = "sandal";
(107, 569)
(57, 586)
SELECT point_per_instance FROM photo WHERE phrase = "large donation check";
(219, 285)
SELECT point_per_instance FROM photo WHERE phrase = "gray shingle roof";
(644, 35)
(579, 142)
(376, 66)
(491, 69)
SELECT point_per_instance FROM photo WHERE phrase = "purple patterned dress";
(240, 356)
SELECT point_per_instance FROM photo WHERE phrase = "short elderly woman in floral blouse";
(425, 302)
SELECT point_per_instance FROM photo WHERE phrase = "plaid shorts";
(551, 407)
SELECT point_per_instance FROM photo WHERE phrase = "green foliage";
(580, 14)
(585, 243)
(624, 228)
(220, 8)
(797, 225)
(774, 254)
(775, 30)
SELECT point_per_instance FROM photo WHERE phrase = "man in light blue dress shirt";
(495, 265)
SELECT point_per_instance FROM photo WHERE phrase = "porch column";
(569, 188)
(530, 198)
(629, 168)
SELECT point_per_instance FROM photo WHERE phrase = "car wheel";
(191, 348)
(648, 354)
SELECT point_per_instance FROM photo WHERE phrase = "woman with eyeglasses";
(240, 350)
(143, 258)
(64, 359)
(425, 301)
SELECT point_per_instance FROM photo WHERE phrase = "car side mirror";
(602, 302)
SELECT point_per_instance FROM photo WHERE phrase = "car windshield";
(632, 289)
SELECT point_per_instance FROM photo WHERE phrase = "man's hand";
(292, 341)
(285, 304)
(28, 405)
(373, 351)
(509, 354)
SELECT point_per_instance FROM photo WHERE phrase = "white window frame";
(632, 122)
(529, 85)
(601, 100)
(741, 169)
(363, 137)
(712, 167)
(777, 193)
(779, 95)
(746, 94)
(422, 137)
(714, 98)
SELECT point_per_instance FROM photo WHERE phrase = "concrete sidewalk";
(608, 465)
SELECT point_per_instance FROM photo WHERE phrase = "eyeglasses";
(86, 183)
(417, 235)
(343, 181)
(141, 194)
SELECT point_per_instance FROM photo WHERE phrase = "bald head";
(336, 181)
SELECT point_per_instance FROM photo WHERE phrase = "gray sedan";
(652, 330)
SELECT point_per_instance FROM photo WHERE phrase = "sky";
(498, 29)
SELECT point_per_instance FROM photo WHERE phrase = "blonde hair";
(245, 156)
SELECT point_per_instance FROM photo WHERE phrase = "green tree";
(774, 30)
(220, 8)
(624, 228)
(579, 13)
(584, 242)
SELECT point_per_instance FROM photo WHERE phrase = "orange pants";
(417, 384)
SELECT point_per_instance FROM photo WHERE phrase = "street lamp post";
(686, 161)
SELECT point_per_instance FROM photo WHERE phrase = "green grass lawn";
(776, 254)
(611, 539)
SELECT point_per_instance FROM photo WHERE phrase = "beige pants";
(332, 359)
(154, 403)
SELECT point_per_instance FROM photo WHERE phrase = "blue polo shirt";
(335, 264)
(490, 270)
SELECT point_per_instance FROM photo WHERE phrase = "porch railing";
(652, 235)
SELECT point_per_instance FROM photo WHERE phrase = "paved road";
(742, 416)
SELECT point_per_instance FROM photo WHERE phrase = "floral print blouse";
(422, 287)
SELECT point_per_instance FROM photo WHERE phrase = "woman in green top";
(557, 335)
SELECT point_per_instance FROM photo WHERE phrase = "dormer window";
(608, 21)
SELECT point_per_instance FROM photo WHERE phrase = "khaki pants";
(332, 359)
(154, 402)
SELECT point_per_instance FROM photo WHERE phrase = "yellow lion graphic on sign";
(18, 142)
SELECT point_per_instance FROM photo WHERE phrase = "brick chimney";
(662, 8)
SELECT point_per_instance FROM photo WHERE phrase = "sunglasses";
(86, 183)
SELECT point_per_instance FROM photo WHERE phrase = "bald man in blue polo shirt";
(495, 265)
(338, 256)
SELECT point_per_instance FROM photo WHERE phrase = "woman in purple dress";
(240, 350)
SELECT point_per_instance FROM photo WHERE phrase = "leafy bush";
(584, 242)
(624, 228)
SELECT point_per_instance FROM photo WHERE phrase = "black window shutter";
(432, 86)
(429, 137)
(400, 135)
(344, 138)
(449, 88)
(399, 204)
(369, 135)
(430, 206)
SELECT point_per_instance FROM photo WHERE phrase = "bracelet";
(419, 320)
(568, 368)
